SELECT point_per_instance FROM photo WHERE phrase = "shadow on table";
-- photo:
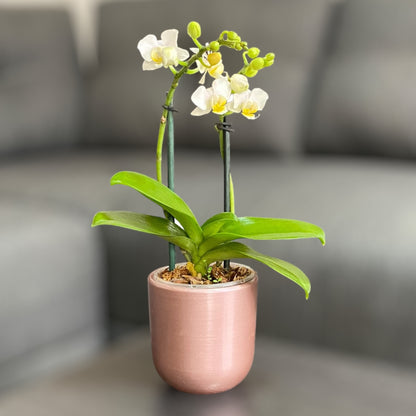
(231, 403)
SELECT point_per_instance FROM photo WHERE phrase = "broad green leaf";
(256, 228)
(164, 197)
(238, 250)
(214, 224)
(146, 224)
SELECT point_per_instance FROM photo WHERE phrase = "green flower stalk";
(171, 178)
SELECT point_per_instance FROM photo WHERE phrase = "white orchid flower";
(215, 98)
(248, 103)
(211, 64)
(164, 52)
(239, 83)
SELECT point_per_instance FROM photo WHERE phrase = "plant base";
(217, 274)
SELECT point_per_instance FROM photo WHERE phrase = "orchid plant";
(214, 240)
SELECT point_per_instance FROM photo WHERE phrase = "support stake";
(171, 177)
(225, 129)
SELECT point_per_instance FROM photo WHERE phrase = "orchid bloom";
(164, 52)
(215, 98)
(239, 83)
(211, 63)
(249, 102)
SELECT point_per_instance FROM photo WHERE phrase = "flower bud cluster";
(257, 63)
(232, 40)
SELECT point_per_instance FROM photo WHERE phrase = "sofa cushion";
(40, 85)
(125, 104)
(367, 99)
(52, 286)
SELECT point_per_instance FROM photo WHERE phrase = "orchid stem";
(167, 105)
(226, 161)
(171, 178)
(167, 118)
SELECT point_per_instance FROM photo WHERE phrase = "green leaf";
(164, 197)
(257, 228)
(238, 250)
(214, 224)
(225, 229)
(146, 224)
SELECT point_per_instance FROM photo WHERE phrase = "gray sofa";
(334, 146)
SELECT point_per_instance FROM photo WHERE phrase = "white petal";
(202, 97)
(146, 45)
(170, 37)
(216, 71)
(250, 117)
(183, 54)
(222, 87)
(198, 112)
(202, 80)
(202, 68)
(260, 97)
(169, 56)
(237, 101)
(233, 107)
(150, 66)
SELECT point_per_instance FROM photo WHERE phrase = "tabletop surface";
(286, 379)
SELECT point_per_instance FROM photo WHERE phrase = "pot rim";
(153, 276)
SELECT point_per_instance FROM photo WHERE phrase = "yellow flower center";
(218, 104)
(250, 109)
(156, 55)
(214, 58)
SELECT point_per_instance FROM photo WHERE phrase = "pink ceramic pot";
(203, 337)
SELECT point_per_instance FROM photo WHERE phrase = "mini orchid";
(161, 53)
(214, 241)
(211, 63)
(249, 102)
(215, 98)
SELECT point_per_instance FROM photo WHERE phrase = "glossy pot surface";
(203, 336)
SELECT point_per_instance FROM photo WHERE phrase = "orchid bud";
(253, 53)
(214, 46)
(194, 30)
(257, 64)
(268, 63)
(250, 72)
(269, 59)
(239, 83)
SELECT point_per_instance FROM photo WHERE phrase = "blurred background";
(335, 145)
(83, 16)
